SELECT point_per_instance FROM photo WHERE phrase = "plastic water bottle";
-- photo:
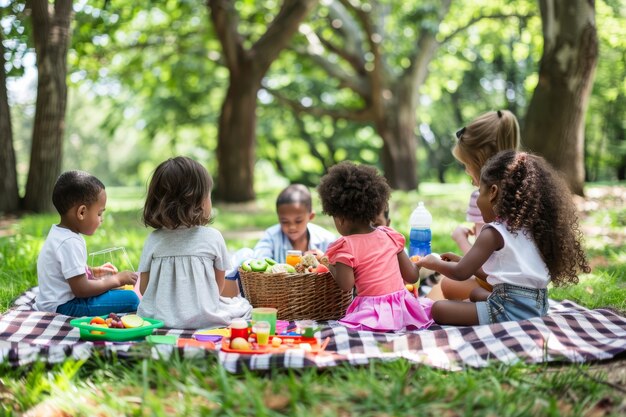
(420, 237)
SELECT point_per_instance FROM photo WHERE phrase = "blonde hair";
(484, 137)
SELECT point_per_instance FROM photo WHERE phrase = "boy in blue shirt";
(294, 230)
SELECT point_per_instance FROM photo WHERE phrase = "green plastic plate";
(115, 335)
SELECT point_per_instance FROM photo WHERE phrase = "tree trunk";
(555, 122)
(9, 196)
(52, 37)
(237, 127)
(236, 142)
(399, 152)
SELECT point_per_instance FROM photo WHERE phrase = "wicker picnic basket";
(297, 296)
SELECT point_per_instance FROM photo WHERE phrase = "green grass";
(108, 387)
(202, 387)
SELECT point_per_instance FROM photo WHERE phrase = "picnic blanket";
(569, 333)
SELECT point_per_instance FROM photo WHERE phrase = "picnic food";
(113, 321)
(131, 321)
(280, 268)
(268, 265)
(413, 289)
(239, 343)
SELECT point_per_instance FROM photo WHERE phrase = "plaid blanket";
(569, 333)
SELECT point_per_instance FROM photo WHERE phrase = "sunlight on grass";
(200, 387)
(107, 386)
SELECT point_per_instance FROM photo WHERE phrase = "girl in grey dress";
(183, 261)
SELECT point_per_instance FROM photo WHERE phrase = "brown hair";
(484, 137)
(534, 199)
(176, 195)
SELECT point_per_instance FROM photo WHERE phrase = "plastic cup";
(267, 314)
(307, 328)
(293, 257)
(262, 331)
(239, 328)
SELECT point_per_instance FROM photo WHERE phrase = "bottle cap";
(421, 218)
(239, 324)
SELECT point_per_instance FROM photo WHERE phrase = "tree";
(555, 119)
(247, 67)
(8, 174)
(51, 33)
(8, 182)
(362, 49)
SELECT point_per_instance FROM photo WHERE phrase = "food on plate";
(239, 343)
(131, 321)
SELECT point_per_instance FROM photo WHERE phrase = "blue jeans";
(512, 303)
(112, 301)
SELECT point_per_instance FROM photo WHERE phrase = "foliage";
(605, 140)
(146, 82)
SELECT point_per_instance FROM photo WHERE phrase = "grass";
(108, 387)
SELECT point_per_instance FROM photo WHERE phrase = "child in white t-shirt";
(66, 284)
(531, 237)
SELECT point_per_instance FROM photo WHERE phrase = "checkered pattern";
(569, 333)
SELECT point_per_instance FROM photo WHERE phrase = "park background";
(265, 93)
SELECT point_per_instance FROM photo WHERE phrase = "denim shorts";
(512, 303)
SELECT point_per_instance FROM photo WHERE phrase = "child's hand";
(462, 234)
(126, 278)
(450, 257)
(428, 261)
(104, 270)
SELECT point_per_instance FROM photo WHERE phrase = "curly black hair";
(75, 188)
(535, 199)
(355, 192)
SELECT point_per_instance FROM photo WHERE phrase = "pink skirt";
(396, 311)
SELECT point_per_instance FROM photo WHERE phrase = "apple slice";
(131, 321)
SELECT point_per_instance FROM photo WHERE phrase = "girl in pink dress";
(372, 259)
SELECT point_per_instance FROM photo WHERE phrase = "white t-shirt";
(518, 262)
(63, 256)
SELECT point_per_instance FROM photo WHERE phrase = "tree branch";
(225, 21)
(478, 18)
(353, 82)
(355, 61)
(376, 74)
(280, 31)
(352, 51)
(363, 115)
(310, 141)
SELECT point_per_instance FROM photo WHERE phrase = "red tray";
(288, 342)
